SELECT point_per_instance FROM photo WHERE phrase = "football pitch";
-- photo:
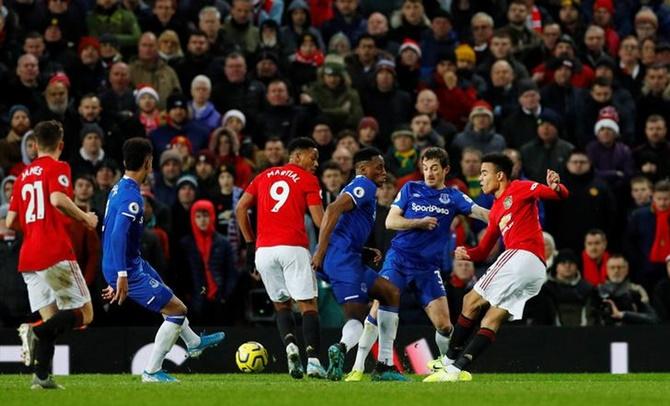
(276, 389)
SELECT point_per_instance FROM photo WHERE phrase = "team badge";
(444, 198)
(154, 283)
(507, 203)
(63, 180)
(364, 287)
(134, 208)
(359, 192)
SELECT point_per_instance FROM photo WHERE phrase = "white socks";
(191, 339)
(387, 320)
(368, 338)
(351, 332)
(165, 338)
(442, 341)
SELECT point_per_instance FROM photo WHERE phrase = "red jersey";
(514, 215)
(282, 196)
(46, 240)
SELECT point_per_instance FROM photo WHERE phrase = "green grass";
(275, 390)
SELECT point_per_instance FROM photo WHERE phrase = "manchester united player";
(282, 196)
(56, 288)
(518, 273)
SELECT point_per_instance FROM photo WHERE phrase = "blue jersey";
(417, 200)
(122, 230)
(354, 227)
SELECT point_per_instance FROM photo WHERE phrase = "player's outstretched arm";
(480, 213)
(396, 221)
(343, 203)
(482, 250)
(554, 189)
(63, 203)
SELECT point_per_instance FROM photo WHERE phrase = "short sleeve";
(360, 191)
(59, 180)
(131, 208)
(252, 189)
(463, 202)
(402, 198)
(313, 191)
(15, 197)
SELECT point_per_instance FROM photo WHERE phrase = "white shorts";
(515, 277)
(286, 272)
(62, 283)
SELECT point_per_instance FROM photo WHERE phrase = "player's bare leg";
(387, 320)
(38, 342)
(438, 313)
(286, 327)
(365, 342)
(311, 331)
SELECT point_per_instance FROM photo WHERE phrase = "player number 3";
(279, 191)
(34, 194)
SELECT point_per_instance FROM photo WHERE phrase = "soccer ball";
(251, 357)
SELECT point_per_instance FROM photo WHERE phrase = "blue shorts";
(348, 276)
(146, 288)
(427, 283)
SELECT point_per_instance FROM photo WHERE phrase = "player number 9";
(279, 191)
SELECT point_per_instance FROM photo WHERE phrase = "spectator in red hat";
(603, 16)
(87, 74)
(183, 146)
(582, 75)
(57, 107)
(408, 66)
(368, 128)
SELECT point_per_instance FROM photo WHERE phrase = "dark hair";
(601, 81)
(329, 165)
(365, 36)
(347, 133)
(89, 95)
(502, 33)
(641, 179)
(233, 55)
(197, 33)
(436, 153)
(135, 152)
(596, 231)
(274, 138)
(501, 162)
(87, 177)
(366, 154)
(579, 151)
(662, 186)
(48, 134)
(301, 143)
(32, 35)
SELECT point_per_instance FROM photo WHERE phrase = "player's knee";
(392, 296)
(444, 326)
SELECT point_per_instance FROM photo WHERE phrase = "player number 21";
(34, 193)
(279, 191)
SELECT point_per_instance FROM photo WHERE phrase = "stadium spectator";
(236, 91)
(25, 87)
(10, 145)
(525, 40)
(106, 175)
(91, 151)
(502, 95)
(368, 128)
(547, 150)
(85, 241)
(661, 296)
(591, 204)
(640, 191)
(481, 26)
(460, 282)
(595, 51)
(149, 114)
(345, 159)
(299, 21)
(653, 99)
(424, 133)
(471, 161)
(427, 103)
(209, 23)
(564, 299)
(179, 123)
(381, 237)
(87, 73)
(274, 154)
(164, 17)
(239, 29)
(210, 262)
(225, 202)
(339, 45)
(439, 39)
(149, 68)
(83, 190)
(361, 62)
(408, 66)
(550, 250)
(603, 17)
(332, 181)
(346, 19)
(390, 106)
(595, 257)
(110, 50)
(619, 301)
(165, 187)
(500, 48)
(169, 49)
(648, 237)
(116, 95)
(562, 97)
(196, 61)
(58, 106)
(347, 139)
(401, 158)
(323, 136)
(378, 28)
(204, 170)
(466, 67)
(631, 72)
(111, 17)
(200, 108)
(334, 96)
(226, 148)
(480, 132)
(28, 153)
(280, 117)
(520, 126)
(652, 158)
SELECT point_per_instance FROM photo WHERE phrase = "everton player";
(282, 196)
(518, 273)
(422, 213)
(42, 201)
(129, 275)
(347, 224)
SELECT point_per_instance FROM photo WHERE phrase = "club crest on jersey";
(507, 203)
(154, 283)
(444, 198)
(359, 192)
(63, 180)
(134, 208)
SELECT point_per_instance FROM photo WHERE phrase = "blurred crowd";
(221, 86)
